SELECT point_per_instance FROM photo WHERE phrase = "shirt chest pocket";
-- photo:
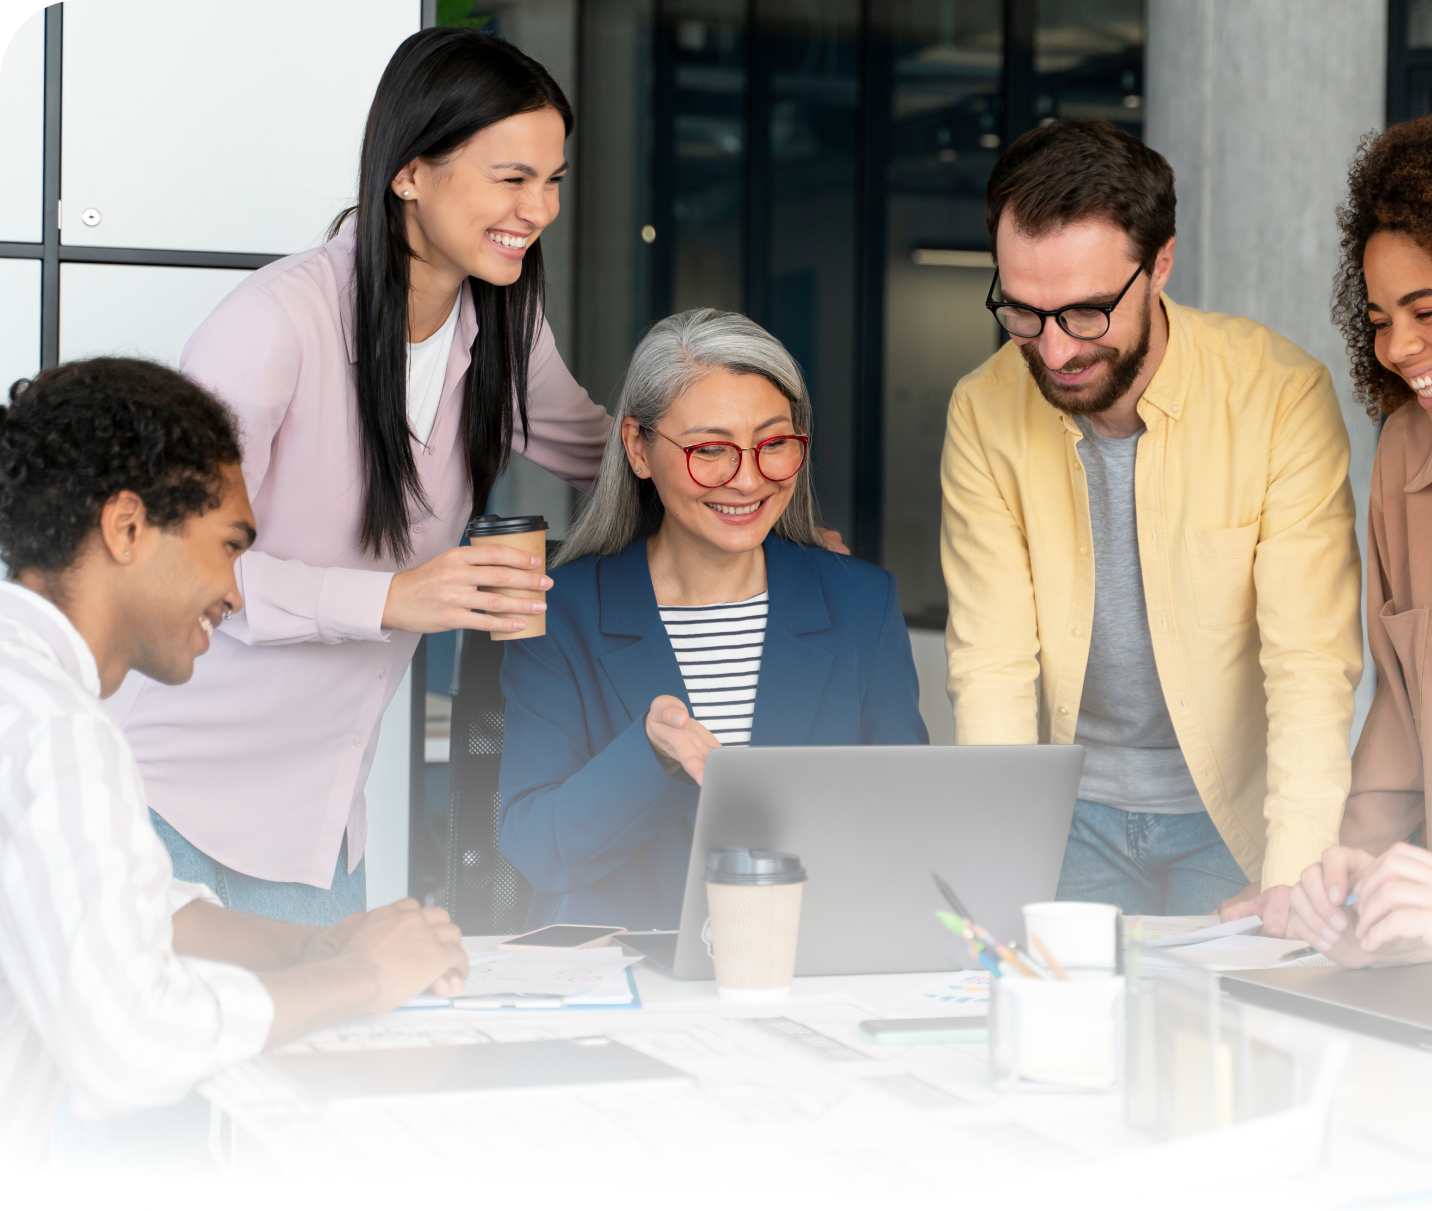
(1408, 632)
(1221, 565)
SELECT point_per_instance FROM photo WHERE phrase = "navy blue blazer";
(589, 816)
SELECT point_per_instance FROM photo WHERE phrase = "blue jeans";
(1147, 862)
(298, 903)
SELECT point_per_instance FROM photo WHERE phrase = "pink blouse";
(260, 759)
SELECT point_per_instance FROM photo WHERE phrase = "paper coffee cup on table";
(1079, 935)
(754, 898)
(525, 534)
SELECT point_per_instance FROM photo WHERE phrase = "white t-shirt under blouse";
(718, 648)
(427, 368)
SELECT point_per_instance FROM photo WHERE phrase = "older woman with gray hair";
(695, 605)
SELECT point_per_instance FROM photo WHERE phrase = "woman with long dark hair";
(381, 381)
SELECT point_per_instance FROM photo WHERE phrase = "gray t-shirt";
(1132, 759)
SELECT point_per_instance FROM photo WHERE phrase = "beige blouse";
(1388, 799)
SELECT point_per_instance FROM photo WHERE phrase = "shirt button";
(1077, 631)
(1175, 408)
(357, 741)
(382, 673)
(1083, 550)
(418, 529)
(1063, 710)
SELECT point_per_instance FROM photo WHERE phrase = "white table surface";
(1379, 1147)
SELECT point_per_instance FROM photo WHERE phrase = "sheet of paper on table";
(788, 1099)
(794, 1091)
(1185, 931)
(1237, 953)
(584, 977)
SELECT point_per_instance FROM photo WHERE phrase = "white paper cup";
(1079, 935)
(754, 897)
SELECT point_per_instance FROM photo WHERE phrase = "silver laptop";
(1389, 1002)
(870, 824)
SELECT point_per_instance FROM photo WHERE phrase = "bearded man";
(1148, 546)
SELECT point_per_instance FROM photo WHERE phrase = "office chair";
(485, 894)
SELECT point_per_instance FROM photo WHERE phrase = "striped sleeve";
(86, 941)
(718, 648)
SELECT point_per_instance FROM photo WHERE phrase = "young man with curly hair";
(1383, 303)
(122, 511)
(1148, 545)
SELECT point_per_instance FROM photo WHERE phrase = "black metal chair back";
(485, 893)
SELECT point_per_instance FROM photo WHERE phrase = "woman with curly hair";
(1383, 303)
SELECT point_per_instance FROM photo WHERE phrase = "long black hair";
(439, 89)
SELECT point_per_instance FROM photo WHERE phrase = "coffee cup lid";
(490, 524)
(753, 867)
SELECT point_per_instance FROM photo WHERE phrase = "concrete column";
(1259, 106)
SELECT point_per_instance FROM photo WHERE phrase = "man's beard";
(1077, 401)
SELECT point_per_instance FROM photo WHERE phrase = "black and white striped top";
(719, 650)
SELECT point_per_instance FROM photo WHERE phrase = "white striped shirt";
(719, 650)
(92, 995)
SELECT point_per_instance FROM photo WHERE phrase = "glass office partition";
(967, 76)
(822, 166)
(699, 181)
(803, 223)
(946, 133)
(1409, 59)
(1089, 61)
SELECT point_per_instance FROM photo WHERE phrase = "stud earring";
(126, 555)
(407, 193)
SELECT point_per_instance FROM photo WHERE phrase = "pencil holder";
(1056, 1032)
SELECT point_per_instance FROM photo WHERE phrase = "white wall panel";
(229, 127)
(19, 322)
(928, 648)
(136, 310)
(22, 133)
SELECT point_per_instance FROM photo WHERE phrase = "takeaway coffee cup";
(754, 897)
(525, 534)
(1079, 935)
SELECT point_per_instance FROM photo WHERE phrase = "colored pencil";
(1048, 956)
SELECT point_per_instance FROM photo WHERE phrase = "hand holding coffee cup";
(448, 592)
(754, 898)
(526, 534)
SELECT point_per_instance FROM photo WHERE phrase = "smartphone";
(563, 937)
(909, 1032)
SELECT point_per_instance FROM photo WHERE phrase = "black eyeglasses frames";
(1082, 321)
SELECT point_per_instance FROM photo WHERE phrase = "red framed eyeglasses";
(711, 464)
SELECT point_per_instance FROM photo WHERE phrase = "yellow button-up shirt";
(1250, 572)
